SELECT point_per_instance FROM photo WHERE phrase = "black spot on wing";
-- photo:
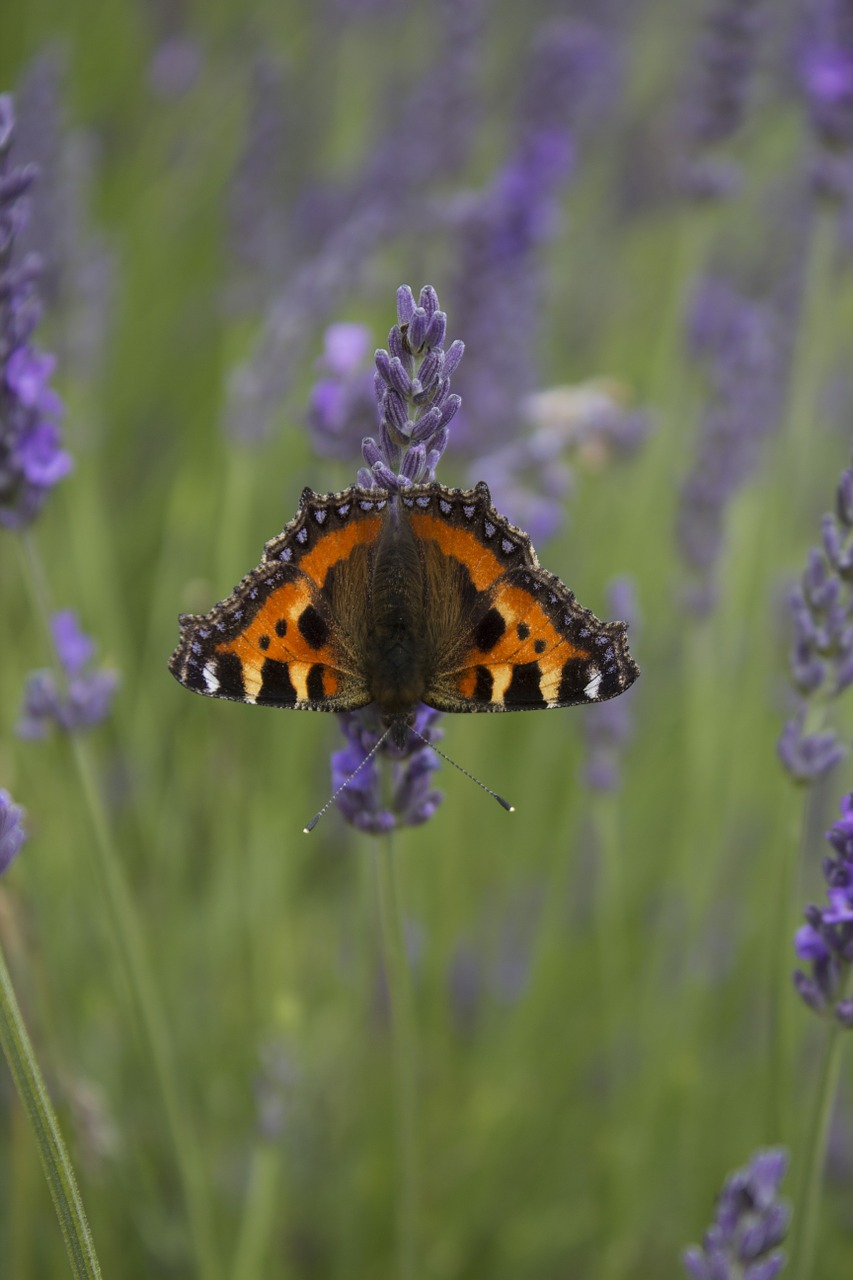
(484, 685)
(229, 672)
(522, 630)
(523, 689)
(276, 684)
(281, 628)
(489, 630)
(264, 642)
(314, 684)
(313, 627)
(573, 679)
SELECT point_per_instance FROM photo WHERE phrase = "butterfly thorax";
(397, 670)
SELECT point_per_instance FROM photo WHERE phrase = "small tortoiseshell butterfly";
(426, 596)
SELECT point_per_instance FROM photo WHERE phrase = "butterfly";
(428, 595)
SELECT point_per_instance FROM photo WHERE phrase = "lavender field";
(598, 256)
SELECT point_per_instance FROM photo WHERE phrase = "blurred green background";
(604, 1020)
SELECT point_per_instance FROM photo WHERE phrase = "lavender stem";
(400, 994)
(808, 1199)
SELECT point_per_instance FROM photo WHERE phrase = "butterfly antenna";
(510, 808)
(371, 753)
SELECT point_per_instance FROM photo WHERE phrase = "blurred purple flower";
(721, 78)
(826, 940)
(821, 658)
(826, 70)
(501, 231)
(32, 460)
(427, 140)
(175, 67)
(80, 699)
(12, 833)
(749, 1225)
(343, 401)
(741, 344)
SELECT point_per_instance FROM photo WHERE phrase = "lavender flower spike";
(32, 460)
(821, 660)
(412, 386)
(12, 833)
(826, 940)
(82, 699)
(749, 1225)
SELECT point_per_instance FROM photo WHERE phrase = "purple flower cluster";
(826, 940)
(12, 833)
(749, 1225)
(609, 726)
(720, 85)
(532, 476)
(822, 653)
(412, 386)
(81, 700)
(740, 342)
(343, 399)
(408, 799)
(826, 71)
(32, 460)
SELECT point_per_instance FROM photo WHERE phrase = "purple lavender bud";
(436, 332)
(383, 477)
(397, 350)
(809, 945)
(400, 381)
(809, 992)
(364, 478)
(83, 699)
(426, 426)
(417, 329)
(807, 757)
(844, 1013)
(449, 409)
(750, 1223)
(413, 463)
(428, 301)
(405, 305)
(12, 833)
(383, 366)
(452, 357)
(430, 371)
(844, 501)
(73, 647)
(392, 443)
(396, 417)
(370, 451)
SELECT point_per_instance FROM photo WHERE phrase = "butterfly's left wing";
(285, 637)
(507, 635)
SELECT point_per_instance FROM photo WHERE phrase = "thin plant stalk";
(400, 997)
(57, 1167)
(129, 940)
(814, 1158)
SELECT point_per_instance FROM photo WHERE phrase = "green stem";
(805, 1241)
(260, 1214)
(51, 1148)
(129, 941)
(403, 1033)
